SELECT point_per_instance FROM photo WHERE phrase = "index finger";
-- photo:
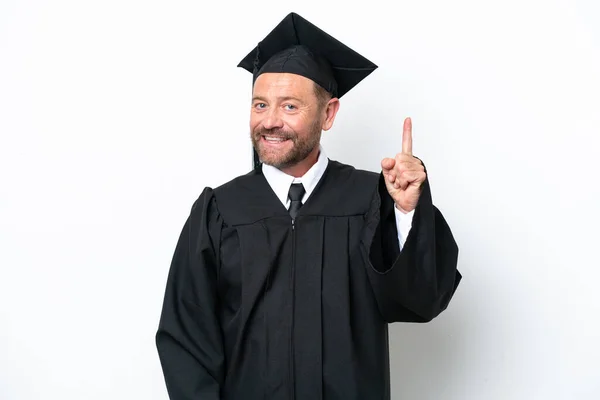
(407, 137)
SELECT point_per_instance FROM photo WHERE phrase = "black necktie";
(295, 195)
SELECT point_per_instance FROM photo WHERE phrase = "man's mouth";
(274, 139)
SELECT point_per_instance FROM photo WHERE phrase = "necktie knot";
(296, 192)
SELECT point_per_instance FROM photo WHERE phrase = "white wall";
(115, 114)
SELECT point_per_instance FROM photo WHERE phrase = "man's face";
(286, 118)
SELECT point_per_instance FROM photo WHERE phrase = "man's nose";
(273, 119)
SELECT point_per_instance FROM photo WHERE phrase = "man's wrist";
(403, 211)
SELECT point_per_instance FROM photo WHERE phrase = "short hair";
(323, 96)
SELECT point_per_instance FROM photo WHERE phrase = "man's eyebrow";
(290, 98)
(285, 98)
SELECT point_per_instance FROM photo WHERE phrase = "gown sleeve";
(189, 339)
(417, 283)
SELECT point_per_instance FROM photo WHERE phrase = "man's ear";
(331, 110)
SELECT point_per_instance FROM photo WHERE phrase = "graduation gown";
(258, 306)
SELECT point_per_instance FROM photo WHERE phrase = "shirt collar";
(280, 182)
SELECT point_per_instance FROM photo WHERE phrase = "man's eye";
(260, 105)
(290, 107)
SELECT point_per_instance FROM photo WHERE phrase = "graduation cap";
(297, 46)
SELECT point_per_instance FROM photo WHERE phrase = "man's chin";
(276, 162)
(270, 157)
(280, 160)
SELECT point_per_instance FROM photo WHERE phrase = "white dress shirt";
(280, 182)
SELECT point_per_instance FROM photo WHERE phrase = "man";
(284, 280)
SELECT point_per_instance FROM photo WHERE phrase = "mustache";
(280, 133)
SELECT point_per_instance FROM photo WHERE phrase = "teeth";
(273, 139)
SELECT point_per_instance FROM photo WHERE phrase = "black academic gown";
(258, 306)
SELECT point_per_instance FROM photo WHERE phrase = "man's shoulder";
(208, 193)
(238, 183)
(350, 170)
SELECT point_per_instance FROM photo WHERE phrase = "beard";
(286, 157)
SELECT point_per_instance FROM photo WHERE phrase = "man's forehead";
(282, 82)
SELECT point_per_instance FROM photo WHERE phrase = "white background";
(114, 115)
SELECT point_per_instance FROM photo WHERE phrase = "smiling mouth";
(273, 139)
